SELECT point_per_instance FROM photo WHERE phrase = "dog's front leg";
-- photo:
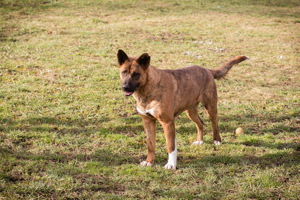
(149, 126)
(169, 129)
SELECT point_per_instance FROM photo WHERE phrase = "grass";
(67, 131)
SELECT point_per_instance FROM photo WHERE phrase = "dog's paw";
(146, 164)
(217, 142)
(198, 143)
(169, 166)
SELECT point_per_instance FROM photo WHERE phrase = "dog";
(161, 95)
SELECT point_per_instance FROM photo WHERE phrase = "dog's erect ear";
(144, 61)
(122, 57)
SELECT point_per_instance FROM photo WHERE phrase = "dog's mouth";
(128, 93)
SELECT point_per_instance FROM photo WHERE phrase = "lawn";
(68, 132)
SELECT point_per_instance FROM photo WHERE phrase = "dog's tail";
(222, 71)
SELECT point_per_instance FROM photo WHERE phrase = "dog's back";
(194, 84)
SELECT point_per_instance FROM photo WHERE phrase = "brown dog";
(164, 94)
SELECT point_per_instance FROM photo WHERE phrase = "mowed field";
(68, 132)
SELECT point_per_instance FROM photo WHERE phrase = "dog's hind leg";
(211, 110)
(149, 126)
(192, 113)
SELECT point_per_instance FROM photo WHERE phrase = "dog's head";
(133, 71)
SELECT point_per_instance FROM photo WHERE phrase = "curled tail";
(222, 71)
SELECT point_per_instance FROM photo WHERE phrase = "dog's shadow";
(267, 160)
(107, 157)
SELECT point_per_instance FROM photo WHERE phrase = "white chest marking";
(150, 111)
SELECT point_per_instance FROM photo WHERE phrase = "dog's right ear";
(122, 57)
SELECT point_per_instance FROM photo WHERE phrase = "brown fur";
(170, 92)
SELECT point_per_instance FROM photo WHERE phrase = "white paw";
(146, 164)
(172, 161)
(198, 143)
(217, 142)
(169, 166)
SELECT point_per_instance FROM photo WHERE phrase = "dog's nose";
(125, 87)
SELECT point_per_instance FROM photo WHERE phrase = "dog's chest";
(148, 109)
(145, 112)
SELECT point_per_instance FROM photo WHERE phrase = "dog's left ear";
(122, 57)
(144, 61)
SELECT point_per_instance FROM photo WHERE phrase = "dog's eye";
(124, 72)
(135, 75)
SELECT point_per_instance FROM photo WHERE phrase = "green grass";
(67, 131)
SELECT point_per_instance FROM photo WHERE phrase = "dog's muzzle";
(129, 90)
